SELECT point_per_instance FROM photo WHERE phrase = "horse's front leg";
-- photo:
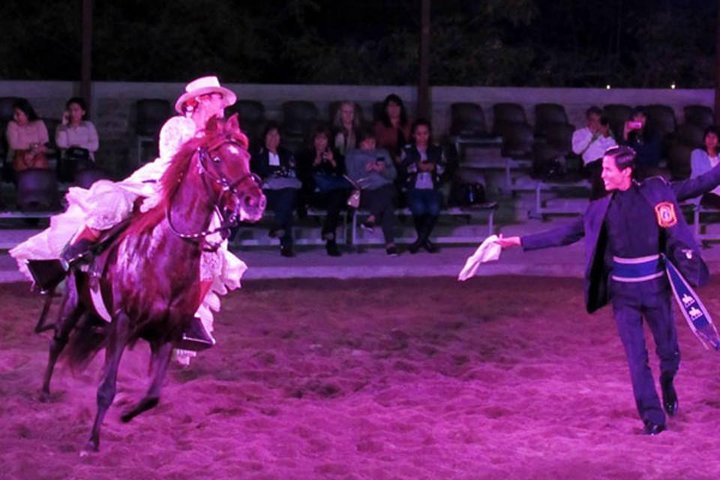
(70, 311)
(119, 334)
(161, 355)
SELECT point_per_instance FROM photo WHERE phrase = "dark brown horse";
(149, 276)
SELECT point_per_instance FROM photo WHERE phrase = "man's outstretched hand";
(507, 242)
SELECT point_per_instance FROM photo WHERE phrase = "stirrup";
(195, 337)
(47, 274)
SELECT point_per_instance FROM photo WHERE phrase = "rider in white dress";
(106, 203)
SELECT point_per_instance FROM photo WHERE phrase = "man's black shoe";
(287, 251)
(195, 337)
(669, 395)
(653, 429)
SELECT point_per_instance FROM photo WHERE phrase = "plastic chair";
(85, 178)
(299, 117)
(690, 135)
(150, 115)
(37, 190)
(251, 114)
(679, 161)
(467, 120)
(505, 114)
(559, 136)
(617, 115)
(547, 114)
(699, 115)
(660, 120)
(517, 141)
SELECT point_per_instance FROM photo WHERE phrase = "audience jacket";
(21, 137)
(356, 162)
(279, 176)
(589, 147)
(83, 136)
(679, 245)
(410, 159)
(700, 163)
(392, 139)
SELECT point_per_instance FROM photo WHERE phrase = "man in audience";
(590, 143)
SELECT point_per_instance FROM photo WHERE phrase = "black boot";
(47, 274)
(77, 252)
(427, 230)
(195, 337)
(332, 248)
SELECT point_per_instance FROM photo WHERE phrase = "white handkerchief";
(486, 252)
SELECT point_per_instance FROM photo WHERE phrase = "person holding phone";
(424, 164)
(321, 170)
(373, 170)
(77, 137)
(645, 143)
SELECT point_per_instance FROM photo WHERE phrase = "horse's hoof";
(44, 396)
(126, 417)
(89, 448)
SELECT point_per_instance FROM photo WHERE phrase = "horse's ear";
(212, 124)
(233, 124)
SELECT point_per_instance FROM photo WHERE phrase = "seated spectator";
(590, 143)
(346, 126)
(76, 137)
(424, 164)
(276, 167)
(702, 160)
(393, 132)
(645, 144)
(373, 171)
(321, 170)
(27, 138)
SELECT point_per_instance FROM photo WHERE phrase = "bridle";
(209, 177)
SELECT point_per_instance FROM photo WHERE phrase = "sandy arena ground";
(422, 378)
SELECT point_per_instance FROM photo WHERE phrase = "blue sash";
(692, 308)
(628, 270)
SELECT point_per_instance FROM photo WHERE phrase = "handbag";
(24, 160)
(353, 200)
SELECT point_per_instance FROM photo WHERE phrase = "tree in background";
(643, 43)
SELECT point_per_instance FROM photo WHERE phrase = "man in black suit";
(629, 235)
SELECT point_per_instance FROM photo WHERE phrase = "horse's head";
(225, 161)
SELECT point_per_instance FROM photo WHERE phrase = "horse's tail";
(89, 338)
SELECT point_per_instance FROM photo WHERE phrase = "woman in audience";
(27, 138)
(373, 170)
(392, 132)
(424, 164)
(702, 160)
(276, 167)
(76, 137)
(321, 170)
(645, 143)
(346, 126)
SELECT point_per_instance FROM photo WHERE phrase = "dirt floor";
(496, 378)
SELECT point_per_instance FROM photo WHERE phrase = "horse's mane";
(172, 178)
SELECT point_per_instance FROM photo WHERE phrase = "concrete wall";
(113, 103)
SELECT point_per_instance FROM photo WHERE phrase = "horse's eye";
(216, 159)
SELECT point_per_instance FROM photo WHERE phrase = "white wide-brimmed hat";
(203, 86)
